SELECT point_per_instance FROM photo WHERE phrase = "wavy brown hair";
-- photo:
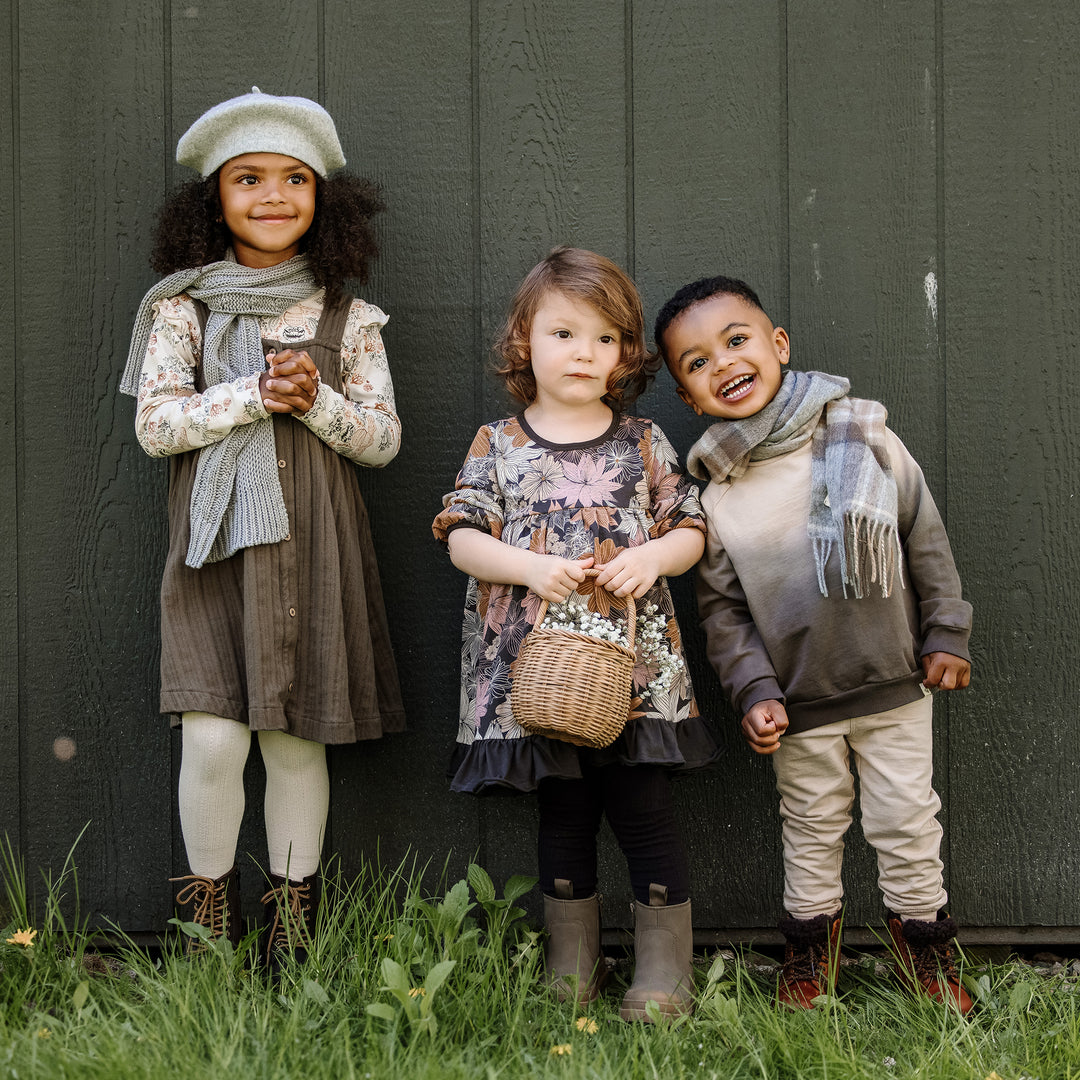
(340, 244)
(591, 279)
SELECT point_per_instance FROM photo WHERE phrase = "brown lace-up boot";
(924, 958)
(811, 959)
(289, 910)
(573, 963)
(213, 903)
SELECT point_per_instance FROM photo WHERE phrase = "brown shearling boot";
(214, 903)
(811, 959)
(573, 963)
(924, 958)
(663, 950)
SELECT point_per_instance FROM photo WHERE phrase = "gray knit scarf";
(852, 488)
(236, 501)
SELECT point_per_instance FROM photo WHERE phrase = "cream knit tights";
(212, 796)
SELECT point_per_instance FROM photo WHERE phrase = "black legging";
(637, 801)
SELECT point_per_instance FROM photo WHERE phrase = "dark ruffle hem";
(516, 766)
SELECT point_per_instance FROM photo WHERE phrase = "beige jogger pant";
(893, 752)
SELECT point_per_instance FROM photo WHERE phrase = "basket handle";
(631, 611)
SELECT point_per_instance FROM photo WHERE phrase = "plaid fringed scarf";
(853, 491)
(236, 500)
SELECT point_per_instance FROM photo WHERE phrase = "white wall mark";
(930, 287)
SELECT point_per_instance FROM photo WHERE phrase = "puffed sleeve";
(476, 501)
(362, 424)
(170, 417)
(673, 496)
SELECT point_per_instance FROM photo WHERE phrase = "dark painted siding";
(899, 182)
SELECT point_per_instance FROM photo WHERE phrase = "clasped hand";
(630, 573)
(290, 384)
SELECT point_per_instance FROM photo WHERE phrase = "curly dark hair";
(339, 245)
(694, 293)
(593, 280)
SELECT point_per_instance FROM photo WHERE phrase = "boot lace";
(291, 915)
(803, 963)
(207, 898)
(932, 962)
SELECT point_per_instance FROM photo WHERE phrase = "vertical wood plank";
(552, 142)
(399, 85)
(82, 540)
(1012, 143)
(10, 435)
(216, 53)
(864, 247)
(863, 207)
(710, 197)
(553, 170)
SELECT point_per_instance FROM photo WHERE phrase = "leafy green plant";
(502, 914)
(416, 1002)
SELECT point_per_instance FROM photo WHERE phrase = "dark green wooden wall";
(898, 180)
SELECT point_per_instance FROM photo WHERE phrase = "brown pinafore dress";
(289, 636)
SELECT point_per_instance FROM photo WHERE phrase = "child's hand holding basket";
(572, 685)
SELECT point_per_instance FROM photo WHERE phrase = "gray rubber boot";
(663, 947)
(573, 964)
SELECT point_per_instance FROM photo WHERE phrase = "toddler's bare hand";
(763, 725)
(632, 572)
(945, 671)
(555, 578)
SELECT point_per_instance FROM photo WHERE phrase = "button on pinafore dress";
(289, 636)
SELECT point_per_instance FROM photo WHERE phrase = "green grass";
(68, 1011)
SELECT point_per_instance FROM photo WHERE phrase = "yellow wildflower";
(44, 1033)
(561, 1049)
(417, 991)
(583, 1023)
(25, 938)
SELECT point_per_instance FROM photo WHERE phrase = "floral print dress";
(595, 498)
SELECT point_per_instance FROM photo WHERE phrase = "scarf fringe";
(869, 554)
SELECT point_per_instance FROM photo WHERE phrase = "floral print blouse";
(171, 417)
(619, 490)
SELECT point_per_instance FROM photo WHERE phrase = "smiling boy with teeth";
(831, 607)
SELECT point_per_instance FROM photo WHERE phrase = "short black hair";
(694, 293)
(340, 244)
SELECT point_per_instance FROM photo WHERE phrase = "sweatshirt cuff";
(760, 690)
(946, 639)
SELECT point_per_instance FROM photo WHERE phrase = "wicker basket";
(571, 686)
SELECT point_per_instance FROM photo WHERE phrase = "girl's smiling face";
(268, 204)
(726, 356)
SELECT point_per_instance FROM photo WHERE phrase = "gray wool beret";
(259, 123)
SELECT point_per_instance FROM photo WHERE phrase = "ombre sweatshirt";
(770, 631)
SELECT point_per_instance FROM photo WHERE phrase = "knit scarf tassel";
(870, 552)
